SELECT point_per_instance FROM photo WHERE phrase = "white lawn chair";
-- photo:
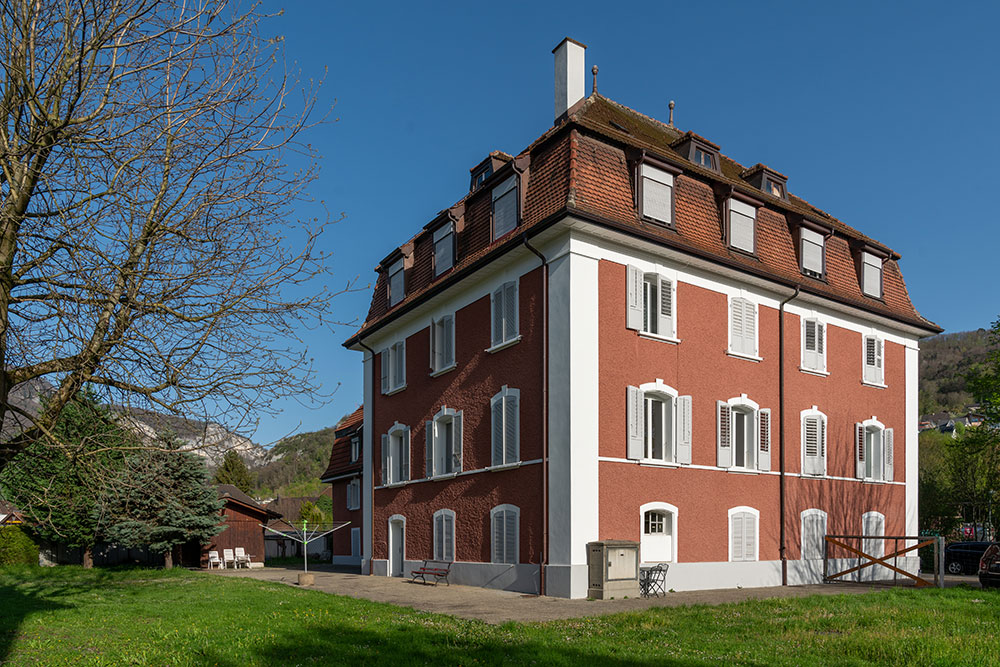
(242, 557)
(228, 557)
(213, 560)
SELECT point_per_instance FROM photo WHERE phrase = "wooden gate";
(837, 541)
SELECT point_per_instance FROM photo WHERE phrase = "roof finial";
(593, 71)
(671, 121)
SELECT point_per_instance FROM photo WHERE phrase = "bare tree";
(147, 241)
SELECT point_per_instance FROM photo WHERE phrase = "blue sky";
(882, 114)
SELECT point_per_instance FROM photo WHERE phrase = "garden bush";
(16, 547)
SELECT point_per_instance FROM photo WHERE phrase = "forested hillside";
(944, 362)
(295, 464)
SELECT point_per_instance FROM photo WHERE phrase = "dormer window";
(480, 175)
(742, 221)
(766, 180)
(397, 288)
(444, 248)
(812, 252)
(505, 207)
(871, 275)
(702, 152)
(775, 189)
(703, 158)
(656, 188)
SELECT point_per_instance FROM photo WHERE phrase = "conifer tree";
(234, 471)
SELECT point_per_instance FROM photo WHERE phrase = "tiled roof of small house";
(583, 166)
(340, 452)
(230, 492)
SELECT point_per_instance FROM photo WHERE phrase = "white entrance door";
(397, 538)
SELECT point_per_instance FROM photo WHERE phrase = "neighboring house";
(344, 476)
(586, 347)
(9, 514)
(244, 518)
(286, 520)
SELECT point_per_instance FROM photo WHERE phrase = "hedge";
(16, 547)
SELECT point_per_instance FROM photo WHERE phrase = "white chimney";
(570, 74)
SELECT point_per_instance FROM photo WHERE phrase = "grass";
(111, 617)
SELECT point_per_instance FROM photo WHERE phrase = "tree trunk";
(88, 557)
(168, 559)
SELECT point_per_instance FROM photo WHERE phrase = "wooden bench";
(437, 569)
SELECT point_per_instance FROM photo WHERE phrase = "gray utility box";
(613, 567)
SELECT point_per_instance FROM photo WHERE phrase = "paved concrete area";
(495, 606)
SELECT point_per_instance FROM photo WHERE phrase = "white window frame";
(434, 442)
(396, 271)
(516, 537)
(504, 189)
(393, 367)
(442, 344)
(393, 461)
(821, 341)
(875, 378)
(354, 494)
(743, 210)
(756, 543)
(503, 398)
(652, 176)
(814, 413)
(640, 444)
(644, 317)
(870, 262)
(444, 237)
(447, 552)
(667, 508)
(749, 352)
(884, 457)
(811, 237)
(804, 547)
(761, 451)
(508, 332)
(355, 448)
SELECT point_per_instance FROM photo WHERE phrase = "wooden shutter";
(887, 448)
(400, 364)
(820, 343)
(749, 536)
(666, 323)
(810, 359)
(821, 464)
(435, 360)
(736, 325)
(724, 441)
(439, 537)
(497, 309)
(873, 360)
(510, 311)
(737, 530)
(879, 348)
(634, 280)
(510, 537)
(497, 529)
(448, 346)
(449, 537)
(384, 363)
(684, 429)
(511, 430)
(404, 456)
(496, 408)
(636, 424)
(385, 459)
(429, 449)
(749, 327)
(764, 439)
(456, 434)
(859, 451)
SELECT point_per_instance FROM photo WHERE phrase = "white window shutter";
(887, 446)
(384, 363)
(724, 435)
(764, 439)
(636, 424)
(449, 537)
(737, 530)
(510, 537)
(401, 376)
(404, 463)
(809, 356)
(633, 319)
(750, 536)
(684, 429)
(498, 525)
(822, 447)
(439, 537)
(435, 351)
(496, 408)
(456, 429)
(511, 428)
(859, 451)
(820, 344)
(879, 349)
(497, 310)
(666, 323)
(448, 355)
(385, 458)
(749, 327)
(736, 325)
(429, 449)
(510, 311)
(810, 445)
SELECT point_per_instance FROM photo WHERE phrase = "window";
(504, 313)
(813, 442)
(774, 188)
(657, 188)
(813, 345)
(505, 409)
(742, 327)
(703, 158)
(812, 253)
(813, 534)
(442, 343)
(444, 535)
(505, 207)
(874, 372)
(444, 248)
(871, 275)
(396, 454)
(659, 424)
(743, 435)
(743, 543)
(650, 302)
(480, 175)
(354, 494)
(659, 528)
(504, 527)
(355, 448)
(741, 225)
(444, 443)
(397, 289)
(356, 542)
(394, 367)
(874, 451)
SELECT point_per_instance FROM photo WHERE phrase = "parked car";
(989, 567)
(963, 557)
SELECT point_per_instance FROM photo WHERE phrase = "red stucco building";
(344, 476)
(621, 333)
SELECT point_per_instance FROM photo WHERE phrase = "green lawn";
(113, 617)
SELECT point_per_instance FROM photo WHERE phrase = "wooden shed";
(243, 517)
